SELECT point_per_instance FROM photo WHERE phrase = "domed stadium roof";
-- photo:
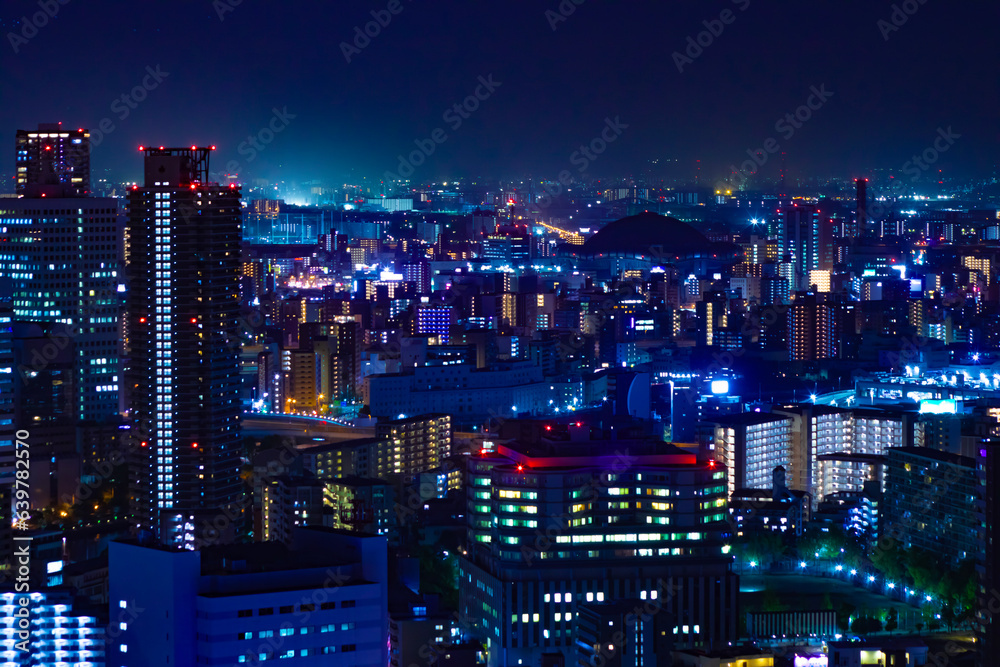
(653, 235)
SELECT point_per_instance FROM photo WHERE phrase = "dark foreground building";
(553, 526)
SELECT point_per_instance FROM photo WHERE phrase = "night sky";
(605, 60)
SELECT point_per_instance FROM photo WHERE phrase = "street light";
(802, 564)
(853, 572)
(871, 577)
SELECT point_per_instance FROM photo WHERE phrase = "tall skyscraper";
(807, 243)
(60, 263)
(52, 156)
(861, 224)
(183, 276)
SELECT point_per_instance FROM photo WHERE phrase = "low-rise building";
(322, 601)
(885, 652)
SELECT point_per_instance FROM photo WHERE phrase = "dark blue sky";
(557, 87)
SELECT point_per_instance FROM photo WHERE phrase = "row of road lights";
(871, 579)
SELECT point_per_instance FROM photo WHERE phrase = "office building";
(57, 636)
(184, 372)
(554, 525)
(508, 244)
(774, 290)
(624, 632)
(60, 258)
(53, 156)
(431, 319)
(461, 390)
(321, 602)
(807, 243)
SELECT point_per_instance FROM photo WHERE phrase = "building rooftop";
(891, 643)
(569, 454)
(746, 419)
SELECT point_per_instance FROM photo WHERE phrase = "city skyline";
(481, 335)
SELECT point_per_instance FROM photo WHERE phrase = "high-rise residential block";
(184, 376)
